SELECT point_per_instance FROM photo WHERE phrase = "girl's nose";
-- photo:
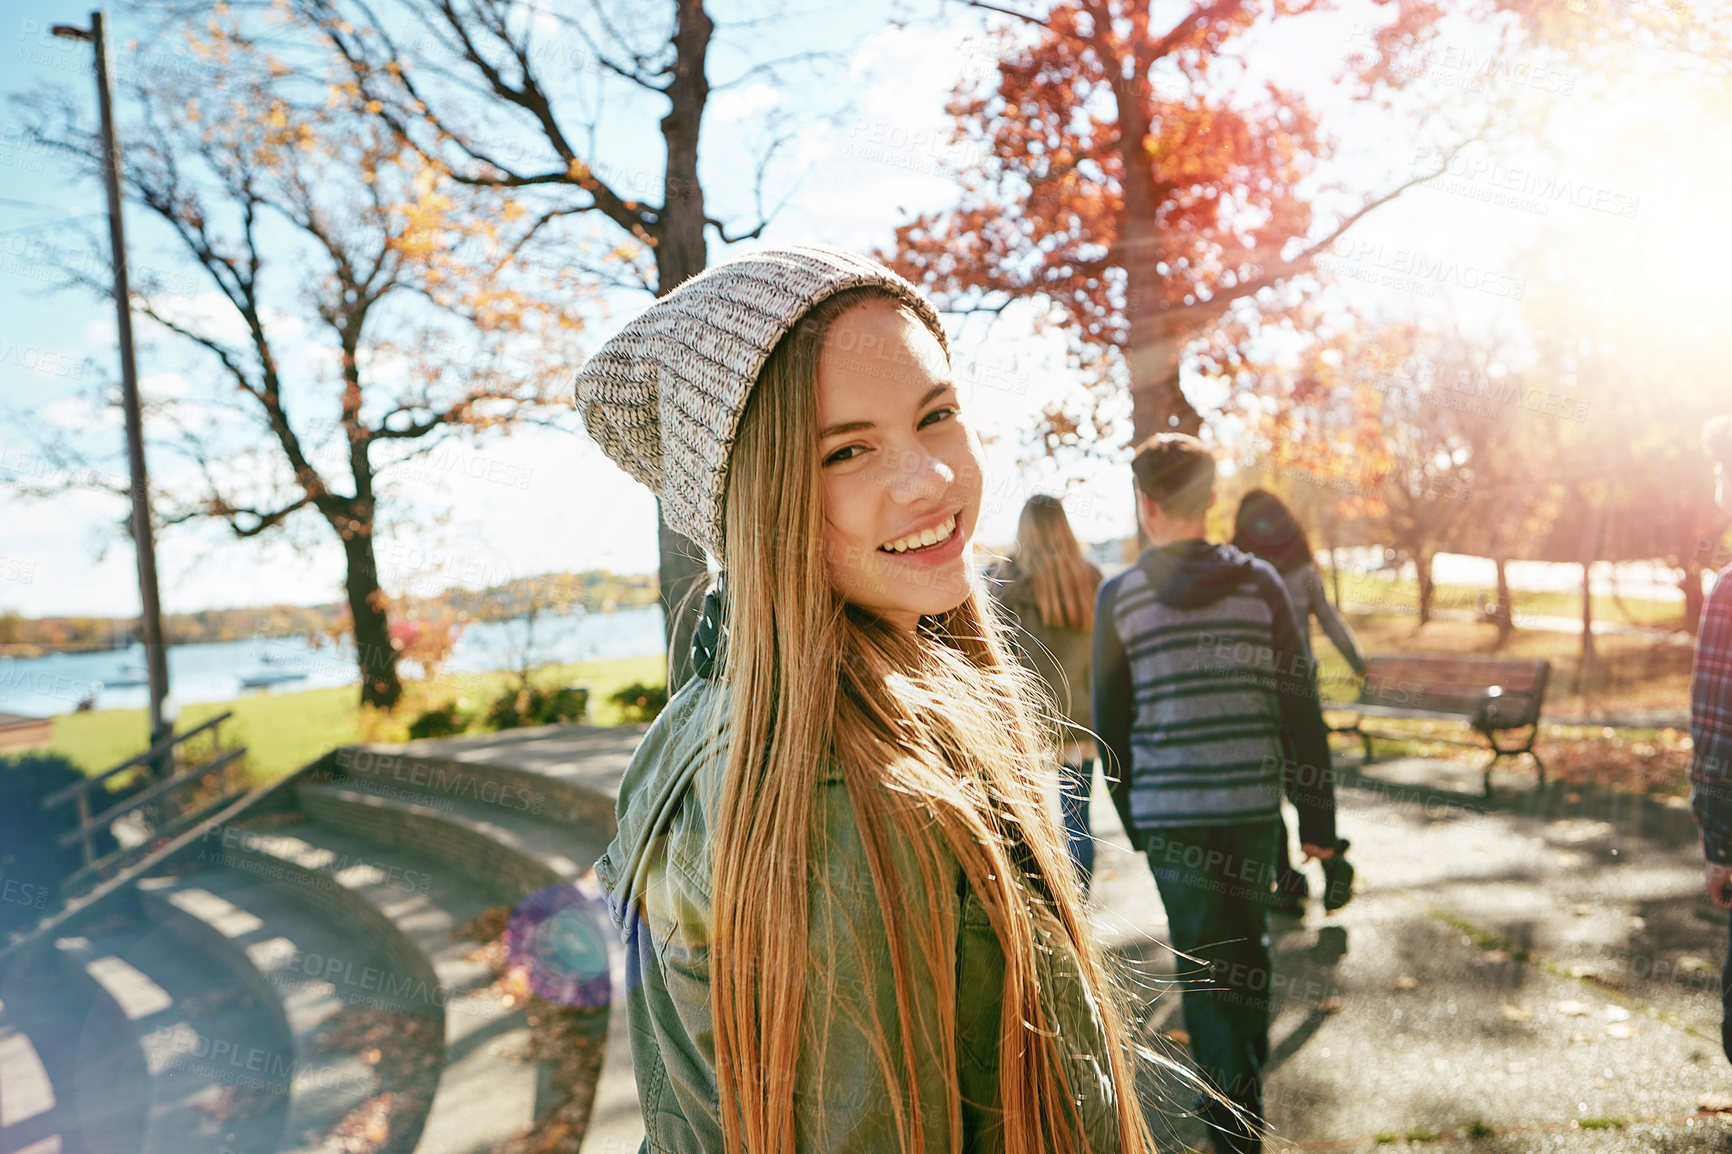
(918, 476)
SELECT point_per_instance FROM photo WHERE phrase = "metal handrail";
(145, 797)
(89, 823)
(62, 796)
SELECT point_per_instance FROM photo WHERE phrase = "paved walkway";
(1518, 975)
(1538, 972)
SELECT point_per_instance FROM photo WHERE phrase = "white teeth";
(923, 538)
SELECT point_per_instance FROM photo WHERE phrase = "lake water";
(39, 686)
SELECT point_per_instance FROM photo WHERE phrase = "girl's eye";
(838, 456)
(936, 415)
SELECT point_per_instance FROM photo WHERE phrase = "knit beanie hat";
(663, 398)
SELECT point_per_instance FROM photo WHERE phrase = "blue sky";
(542, 500)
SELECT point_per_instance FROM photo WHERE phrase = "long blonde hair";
(1047, 552)
(933, 737)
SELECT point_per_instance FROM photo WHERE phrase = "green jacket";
(657, 874)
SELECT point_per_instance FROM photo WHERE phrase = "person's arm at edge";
(1711, 726)
(1339, 632)
(1309, 779)
(1111, 694)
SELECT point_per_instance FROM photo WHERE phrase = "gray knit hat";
(663, 398)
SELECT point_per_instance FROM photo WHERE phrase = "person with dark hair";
(1711, 722)
(1048, 587)
(1265, 527)
(1206, 709)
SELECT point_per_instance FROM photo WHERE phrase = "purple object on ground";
(558, 937)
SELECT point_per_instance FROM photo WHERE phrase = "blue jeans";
(1075, 782)
(1214, 883)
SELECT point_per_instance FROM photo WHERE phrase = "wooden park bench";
(1493, 695)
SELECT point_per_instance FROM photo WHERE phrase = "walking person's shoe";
(1337, 878)
(1292, 889)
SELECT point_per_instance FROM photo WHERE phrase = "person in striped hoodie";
(1205, 709)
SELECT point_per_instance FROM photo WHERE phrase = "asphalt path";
(1536, 971)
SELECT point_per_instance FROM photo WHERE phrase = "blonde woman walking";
(851, 921)
(1049, 587)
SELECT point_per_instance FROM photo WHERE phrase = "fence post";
(84, 826)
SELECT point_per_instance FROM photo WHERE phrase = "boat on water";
(269, 677)
(127, 677)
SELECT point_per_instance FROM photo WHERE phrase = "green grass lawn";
(1400, 597)
(285, 731)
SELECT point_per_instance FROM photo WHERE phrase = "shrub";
(640, 702)
(32, 865)
(439, 721)
(536, 706)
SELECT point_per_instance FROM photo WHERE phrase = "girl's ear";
(712, 625)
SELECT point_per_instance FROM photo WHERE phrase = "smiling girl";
(852, 922)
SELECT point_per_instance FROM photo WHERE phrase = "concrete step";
(426, 898)
(357, 999)
(72, 1079)
(522, 850)
(566, 772)
(203, 1033)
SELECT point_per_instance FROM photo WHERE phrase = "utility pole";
(150, 609)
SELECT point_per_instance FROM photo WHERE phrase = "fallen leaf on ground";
(1620, 1030)
(1583, 970)
(1329, 1005)
(1516, 1013)
(1691, 964)
(1579, 1039)
(1497, 957)
(1407, 982)
(1572, 1009)
(1581, 909)
(1617, 1014)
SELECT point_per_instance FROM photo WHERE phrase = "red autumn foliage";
(1131, 176)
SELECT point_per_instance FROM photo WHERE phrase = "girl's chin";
(940, 595)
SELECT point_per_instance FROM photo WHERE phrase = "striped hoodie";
(1204, 699)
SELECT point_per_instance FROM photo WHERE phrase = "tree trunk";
(380, 685)
(1503, 615)
(1587, 617)
(1427, 590)
(1694, 601)
(1153, 344)
(680, 254)
(1335, 576)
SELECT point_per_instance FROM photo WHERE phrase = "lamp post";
(150, 615)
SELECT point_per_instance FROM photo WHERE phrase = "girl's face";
(901, 467)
